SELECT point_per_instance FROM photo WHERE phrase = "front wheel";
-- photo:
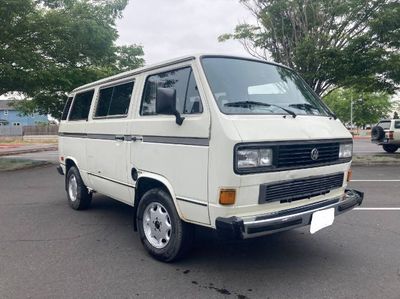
(390, 148)
(164, 235)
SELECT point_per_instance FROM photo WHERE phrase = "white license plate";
(321, 219)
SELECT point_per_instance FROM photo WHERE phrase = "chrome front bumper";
(259, 225)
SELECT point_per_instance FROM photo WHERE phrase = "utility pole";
(351, 112)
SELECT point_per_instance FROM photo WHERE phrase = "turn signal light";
(227, 196)
(349, 175)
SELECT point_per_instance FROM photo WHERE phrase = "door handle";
(137, 138)
(119, 137)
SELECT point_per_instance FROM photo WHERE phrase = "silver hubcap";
(157, 225)
(72, 187)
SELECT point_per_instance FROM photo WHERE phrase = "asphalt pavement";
(48, 250)
(366, 147)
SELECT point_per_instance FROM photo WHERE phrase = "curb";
(361, 137)
(26, 151)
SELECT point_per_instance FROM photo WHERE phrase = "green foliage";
(368, 108)
(49, 47)
(331, 43)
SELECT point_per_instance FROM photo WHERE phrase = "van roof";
(163, 64)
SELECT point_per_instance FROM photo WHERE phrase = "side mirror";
(166, 103)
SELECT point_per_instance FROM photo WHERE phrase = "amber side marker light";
(349, 175)
(227, 197)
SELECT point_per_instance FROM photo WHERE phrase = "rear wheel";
(164, 235)
(78, 195)
(390, 148)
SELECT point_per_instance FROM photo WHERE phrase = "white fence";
(28, 130)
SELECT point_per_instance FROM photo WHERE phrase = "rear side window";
(182, 80)
(397, 124)
(66, 108)
(81, 106)
(385, 125)
(114, 100)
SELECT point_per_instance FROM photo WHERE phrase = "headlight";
(345, 150)
(249, 158)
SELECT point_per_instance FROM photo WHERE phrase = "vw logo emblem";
(314, 154)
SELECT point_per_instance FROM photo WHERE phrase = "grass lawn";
(377, 159)
(8, 164)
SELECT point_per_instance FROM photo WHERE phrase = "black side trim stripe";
(67, 134)
(190, 201)
(177, 140)
(111, 180)
(101, 136)
(148, 138)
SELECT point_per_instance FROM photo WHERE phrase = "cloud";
(173, 28)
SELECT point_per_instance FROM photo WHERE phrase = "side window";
(114, 100)
(66, 108)
(397, 124)
(192, 102)
(81, 105)
(182, 80)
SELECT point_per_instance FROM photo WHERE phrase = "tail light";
(390, 135)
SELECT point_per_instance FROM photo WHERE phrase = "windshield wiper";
(255, 103)
(308, 107)
(303, 106)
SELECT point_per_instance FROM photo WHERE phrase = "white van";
(236, 144)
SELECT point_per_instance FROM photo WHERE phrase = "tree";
(368, 108)
(331, 43)
(49, 47)
(395, 115)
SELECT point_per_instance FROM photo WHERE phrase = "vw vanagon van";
(235, 144)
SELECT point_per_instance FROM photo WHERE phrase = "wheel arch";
(69, 162)
(148, 181)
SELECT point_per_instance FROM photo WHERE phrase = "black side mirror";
(166, 103)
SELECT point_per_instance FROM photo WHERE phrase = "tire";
(78, 195)
(377, 133)
(390, 148)
(164, 235)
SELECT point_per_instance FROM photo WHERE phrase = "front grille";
(288, 191)
(295, 155)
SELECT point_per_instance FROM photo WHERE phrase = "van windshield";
(242, 86)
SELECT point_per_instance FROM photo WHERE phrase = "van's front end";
(279, 159)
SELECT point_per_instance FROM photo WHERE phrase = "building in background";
(11, 117)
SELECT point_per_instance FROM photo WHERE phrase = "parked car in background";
(387, 134)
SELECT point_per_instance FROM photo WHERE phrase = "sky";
(172, 28)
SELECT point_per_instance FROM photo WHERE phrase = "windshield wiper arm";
(306, 106)
(303, 106)
(255, 103)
